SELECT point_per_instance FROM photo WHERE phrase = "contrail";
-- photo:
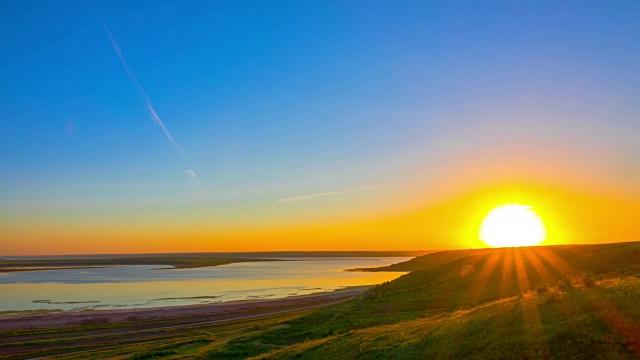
(143, 94)
(331, 193)
(193, 176)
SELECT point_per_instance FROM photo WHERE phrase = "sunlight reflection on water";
(126, 287)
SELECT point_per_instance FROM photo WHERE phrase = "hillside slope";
(426, 261)
(574, 322)
(562, 299)
(439, 258)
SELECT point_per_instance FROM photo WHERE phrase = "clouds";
(331, 193)
(144, 97)
(193, 177)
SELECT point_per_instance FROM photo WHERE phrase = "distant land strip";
(177, 261)
(231, 255)
(18, 268)
(66, 264)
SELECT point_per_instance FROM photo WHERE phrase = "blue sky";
(275, 100)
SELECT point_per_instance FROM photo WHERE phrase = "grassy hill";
(562, 323)
(539, 302)
(426, 261)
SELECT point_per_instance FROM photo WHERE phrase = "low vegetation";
(546, 302)
(575, 322)
(576, 302)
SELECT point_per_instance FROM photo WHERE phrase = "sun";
(512, 225)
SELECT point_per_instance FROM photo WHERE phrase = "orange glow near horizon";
(570, 216)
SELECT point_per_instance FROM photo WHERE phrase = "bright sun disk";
(512, 225)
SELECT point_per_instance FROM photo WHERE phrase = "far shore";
(177, 261)
(47, 268)
(73, 264)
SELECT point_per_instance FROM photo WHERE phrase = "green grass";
(597, 322)
(180, 349)
(547, 302)
(563, 302)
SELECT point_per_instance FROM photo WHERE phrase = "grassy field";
(546, 302)
(561, 322)
(578, 302)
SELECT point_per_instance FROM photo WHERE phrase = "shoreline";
(181, 315)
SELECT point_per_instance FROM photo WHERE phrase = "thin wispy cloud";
(193, 177)
(151, 111)
(144, 97)
(331, 193)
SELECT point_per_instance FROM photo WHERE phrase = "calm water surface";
(127, 287)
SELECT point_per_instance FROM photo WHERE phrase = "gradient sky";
(161, 126)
